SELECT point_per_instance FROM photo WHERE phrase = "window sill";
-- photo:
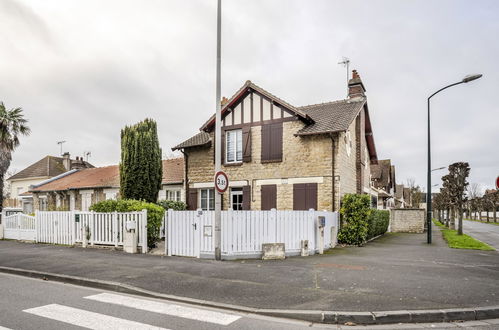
(233, 164)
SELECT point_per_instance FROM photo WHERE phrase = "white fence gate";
(19, 226)
(190, 233)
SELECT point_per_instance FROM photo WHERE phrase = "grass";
(456, 241)
(484, 221)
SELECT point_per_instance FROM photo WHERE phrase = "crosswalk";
(92, 320)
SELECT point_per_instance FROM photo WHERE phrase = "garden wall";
(407, 220)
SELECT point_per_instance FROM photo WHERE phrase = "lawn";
(461, 241)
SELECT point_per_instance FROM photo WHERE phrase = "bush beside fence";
(378, 223)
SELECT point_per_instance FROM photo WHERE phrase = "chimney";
(355, 86)
(66, 161)
(78, 164)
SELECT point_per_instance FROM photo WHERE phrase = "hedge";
(377, 223)
(355, 211)
(174, 205)
(154, 214)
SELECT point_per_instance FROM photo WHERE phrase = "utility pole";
(218, 136)
(346, 63)
(61, 143)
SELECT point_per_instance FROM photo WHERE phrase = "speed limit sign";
(221, 182)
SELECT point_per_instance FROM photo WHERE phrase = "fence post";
(36, 226)
(144, 231)
(115, 228)
(313, 229)
(92, 227)
(166, 227)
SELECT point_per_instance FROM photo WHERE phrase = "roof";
(106, 177)
(99, 177)
(48, 166)
(381, 173)
(332, 117)
(399, 191)
(173, 171)
(242, 92)
(200, 139)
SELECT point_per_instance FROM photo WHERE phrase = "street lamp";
(438, 169)
(466, 79)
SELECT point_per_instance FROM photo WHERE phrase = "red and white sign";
(221, 182)
(497, 183)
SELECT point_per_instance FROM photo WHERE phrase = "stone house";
(280, 156)
(46, 168)
(383, 181)
(79, 189)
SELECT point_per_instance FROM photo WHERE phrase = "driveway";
(484, 232)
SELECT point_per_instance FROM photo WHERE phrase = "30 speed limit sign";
(221, 182)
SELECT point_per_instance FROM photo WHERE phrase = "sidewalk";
(395, 272)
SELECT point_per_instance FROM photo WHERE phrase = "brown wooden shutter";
(311, 196)
(299, 196)
(246, 198)
(276, 143)
(269, 197)
(266, 131)
(305, 196)
(192, 201)
(222, 148)
(247, 144)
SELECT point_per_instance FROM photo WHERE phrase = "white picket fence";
(19, 226)
(191, 233)
(68, 227)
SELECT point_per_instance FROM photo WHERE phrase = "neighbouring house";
(281, 156)
(46, 168)
(383, 181)
(402, 197)
(80, 189)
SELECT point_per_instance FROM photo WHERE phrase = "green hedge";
(154, 214)
(174, 205)
(355, 211)
(378, 223)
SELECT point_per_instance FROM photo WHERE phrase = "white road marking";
(86, 319)
(166, 308)
(4, 328)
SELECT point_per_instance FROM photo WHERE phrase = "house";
(383, 181)
(277, 155)
(46, 168)
(79, 189)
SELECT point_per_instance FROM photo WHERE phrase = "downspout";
(333, 199)
(186, 185)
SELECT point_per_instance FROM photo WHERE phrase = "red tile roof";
(109, 177)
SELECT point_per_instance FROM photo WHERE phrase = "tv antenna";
(346, 63)
(87, 154)
(61, 143)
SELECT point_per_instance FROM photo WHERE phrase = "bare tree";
(415, 192)
(473, 192)
(456, 183)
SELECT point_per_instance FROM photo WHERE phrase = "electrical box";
(130, 225)
(321, 221)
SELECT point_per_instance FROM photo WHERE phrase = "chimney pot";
(66, 161)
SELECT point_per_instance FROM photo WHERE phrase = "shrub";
(174, 205)
(378, 223)
(355, 211)
(154, 214)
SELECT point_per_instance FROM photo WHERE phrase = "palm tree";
(12, 125)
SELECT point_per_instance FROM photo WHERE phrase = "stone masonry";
(407, 220)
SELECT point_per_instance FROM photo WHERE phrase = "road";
(484, 232)
(27, 303)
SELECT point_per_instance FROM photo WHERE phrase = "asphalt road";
(36, 304)
(484, 232)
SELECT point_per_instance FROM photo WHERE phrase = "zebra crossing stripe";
(87, 319)
(197, 314)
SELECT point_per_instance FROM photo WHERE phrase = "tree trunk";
(460, 221)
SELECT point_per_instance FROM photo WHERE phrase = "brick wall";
(407, 220)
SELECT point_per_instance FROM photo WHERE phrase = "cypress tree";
(141, 166)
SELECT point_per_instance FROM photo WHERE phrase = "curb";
(329, 317)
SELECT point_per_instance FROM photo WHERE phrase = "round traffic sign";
(497, 183)
(221, 182)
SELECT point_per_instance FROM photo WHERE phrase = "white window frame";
(173, 195)
(42, 203)
(348, 143)
(238, 133)
(236, 191)
(210, 193)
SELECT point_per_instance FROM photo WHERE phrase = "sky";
(83, 69)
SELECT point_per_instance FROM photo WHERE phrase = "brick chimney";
(66, 161)
(355, 86)
(78, 164)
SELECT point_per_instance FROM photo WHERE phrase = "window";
(234, 146)
(236, 199)
(173, 195)
(348, 143)
(272, 142)
(305, 196)
(42, 203)
(207, 199)
(19, 190)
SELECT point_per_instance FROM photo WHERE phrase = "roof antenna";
(346, 63)
(61, 143)
(87, 154)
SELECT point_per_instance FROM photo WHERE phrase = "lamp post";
(428, 189)
(218, 136)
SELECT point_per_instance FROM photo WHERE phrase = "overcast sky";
(81, 70)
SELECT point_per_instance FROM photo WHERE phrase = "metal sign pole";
(218, 136)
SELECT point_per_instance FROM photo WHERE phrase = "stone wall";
(407, 220)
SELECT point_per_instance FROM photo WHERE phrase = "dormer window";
(234, 146)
